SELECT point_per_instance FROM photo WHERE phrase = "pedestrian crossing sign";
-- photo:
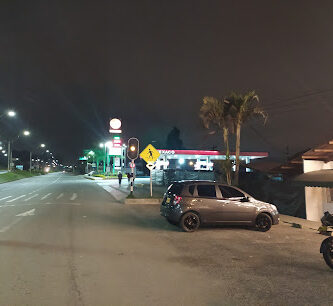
(149, 154)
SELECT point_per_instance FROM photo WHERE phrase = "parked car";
(192, 203)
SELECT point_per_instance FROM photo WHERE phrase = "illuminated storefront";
(198, 159)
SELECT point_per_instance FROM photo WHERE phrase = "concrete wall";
(317, 199)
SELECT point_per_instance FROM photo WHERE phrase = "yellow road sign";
(149, 154)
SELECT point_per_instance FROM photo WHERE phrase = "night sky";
(69, 66)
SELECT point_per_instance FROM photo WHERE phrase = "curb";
(143, 201)
(89, 178)
(299, 223)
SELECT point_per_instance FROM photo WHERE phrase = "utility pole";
(9, 153)
(30, 162)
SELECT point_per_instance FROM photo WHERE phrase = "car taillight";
(177, 200)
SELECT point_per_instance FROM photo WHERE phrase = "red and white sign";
(132, 165)
(115, 125)
(117, 143)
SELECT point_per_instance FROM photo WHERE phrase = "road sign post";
(150, 155)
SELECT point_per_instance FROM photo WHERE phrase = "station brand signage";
(167, 152)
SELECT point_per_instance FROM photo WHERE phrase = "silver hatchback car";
(192, 203)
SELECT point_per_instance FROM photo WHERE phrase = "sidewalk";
(300, 223)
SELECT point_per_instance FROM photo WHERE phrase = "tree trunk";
(226, 142)
(238, 132)
(227, 154)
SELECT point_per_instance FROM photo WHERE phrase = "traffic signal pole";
(132, 176)
(132, 154)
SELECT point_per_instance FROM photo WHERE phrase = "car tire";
(190, 222)
(172, 222)
(263, 222)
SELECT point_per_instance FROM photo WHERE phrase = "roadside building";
(318, 180)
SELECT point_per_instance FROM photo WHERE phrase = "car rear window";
(230, 192)
(176, 188)
(207, 191)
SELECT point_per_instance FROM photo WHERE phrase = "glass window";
(230, 192)
(176, 188)
(191, 189)
(207, 191)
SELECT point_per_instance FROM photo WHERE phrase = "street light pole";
(8, 156)
(30, 166)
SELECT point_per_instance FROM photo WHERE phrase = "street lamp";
(11, 113)
(42, 145)
(25, 133)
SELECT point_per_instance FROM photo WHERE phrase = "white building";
(318, 179)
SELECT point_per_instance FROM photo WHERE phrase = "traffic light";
(133, 148)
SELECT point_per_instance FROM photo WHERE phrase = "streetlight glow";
(26, 133)
(11, 113)
(101, 145)
(42, 145)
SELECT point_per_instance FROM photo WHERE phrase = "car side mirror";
(245, 199)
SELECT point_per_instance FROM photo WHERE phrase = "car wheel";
(190, 222)
(263, 222)
(172, 222)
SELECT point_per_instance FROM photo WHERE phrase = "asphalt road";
(65, 240)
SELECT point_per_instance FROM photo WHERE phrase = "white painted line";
(60, 196)
(27, 213)
(35, 195)
(5, 198)
(20, 197)
(46, 196)
(74, 196)
(7, 227)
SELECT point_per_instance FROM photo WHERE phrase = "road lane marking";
(27, 213)
(74, 196)
(20, 197)
(7, 227)
(60, 196)
(35, 195)
(46, 196)
(5, 198)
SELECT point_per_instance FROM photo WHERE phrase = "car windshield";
(176, 188)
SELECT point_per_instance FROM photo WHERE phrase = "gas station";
(199, 159)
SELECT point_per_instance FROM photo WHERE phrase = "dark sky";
(68, 66)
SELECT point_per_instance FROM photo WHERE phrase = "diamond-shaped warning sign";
(149, 154)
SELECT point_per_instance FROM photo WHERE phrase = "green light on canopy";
(116, 137)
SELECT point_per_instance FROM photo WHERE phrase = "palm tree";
(215, 114)
(243, 108)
